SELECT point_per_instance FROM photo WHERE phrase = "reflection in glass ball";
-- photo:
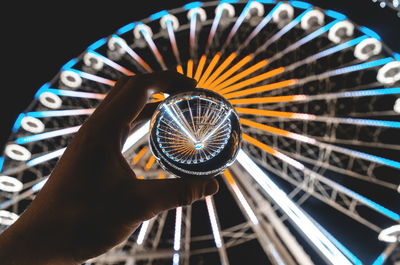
(195, 133)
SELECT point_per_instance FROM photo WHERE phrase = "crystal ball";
(195, 134)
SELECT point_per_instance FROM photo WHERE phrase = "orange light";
(150, 163)
(209, 69)
(200, 67)
(157, 97)
(140, 177)
(220, 69)
(261, 89)
(262, 100)
(179, 69)
(264, 127)
(232, 70)
(161, 176)
(139, 155)
(259, 144)
(229, 177)
(189, 72)
(263, 112)
(253, 80)
(242, 74)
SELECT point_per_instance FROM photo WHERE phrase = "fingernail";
(211, 187)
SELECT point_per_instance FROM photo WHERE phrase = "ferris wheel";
(316, 180)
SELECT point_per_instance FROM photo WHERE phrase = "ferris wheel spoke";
(46, 135)
(110, 63)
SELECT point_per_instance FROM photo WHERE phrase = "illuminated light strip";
(261, 89)
(45, 158)
(178, 226)
(231, 71)
(17, 123)
(150, 163)
(97, 44)
(192, 36)
(46, 135)
(1, 163)
(175, 259)
(260, 25)
(219, 70)
(189, 71)
(111, 63)
(241, 198)
(158, 15)
(370, 33)
(179, 69)
(153, 47)
(94, 78)
(282, 32)
(252, 80)
(305, 116)
(139, 155)
(70, 93)
(59, 113)
(357, 67)
(161, 176)
(126, 28)
(214, 27)
(171, 34)
(238, 22)
(267, 99)
(213, 221)
(142, 232)
(136, 136)
(295, 214)
(132, 53)
(380, 259)
(200, 67)
(273, 152)
(178, 122)
(209, 69)
(304, 40)
(241, 75)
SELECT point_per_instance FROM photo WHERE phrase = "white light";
(259, 8)
(175, 259)
(136, 136)
(175, 117)
(93, 61)
(312, 14)
(178, 226)
(117, 45)
(384, 70)
(70, 79)
(140, 27)
(276, 16)
(390, 234)
(296, 215)
(17, 152)
(345, 25)
(7, 218)
(213, 221)
(10, 184)
(32, 124)
(225, 7)
(244, 203)
(142, 232)
(50, 100)
(174, 21)
(46, 157)
(200, 11)
(359, 50)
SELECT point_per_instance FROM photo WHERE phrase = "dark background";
(38, 38)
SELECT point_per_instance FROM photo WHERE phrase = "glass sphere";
(195, 134)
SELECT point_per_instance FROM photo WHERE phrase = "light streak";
(97, 44)
(213, 221)
(132, 53)
(189, 71)
(241, 75)
(149, 163)
(192, 36)
(126, 28)
(59, 113)
(252, 80)
(261, 89)
(209, 69)
(44, 158)
(238, 22)
(69, 93)
(219, 70)
(153, 46)
(200, 67)
(158, 15)
(267, 99)
(178, 226)
(92, 77)
(171, 34)
(136, 136)
(111, 63)
(46, 135)
(142, 232)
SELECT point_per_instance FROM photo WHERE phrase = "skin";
(92, 200)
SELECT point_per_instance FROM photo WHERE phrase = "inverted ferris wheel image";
(316, 179)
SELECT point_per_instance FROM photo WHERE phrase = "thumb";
(164, 194)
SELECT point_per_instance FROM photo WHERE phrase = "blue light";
(396, 56)
(69, 64)
(41, 90)
(300, 4)
(361, 66)
(370, 32)
(1, 163)
(380, 259)
(38, 186)
(17, 122)
(372, 92)
(228, 1)
(335, 14)
(266, 1)
(192, 5)
(97, 44)
(158, 15)
(126, 28)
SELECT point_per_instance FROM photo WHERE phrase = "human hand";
(92, 200)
